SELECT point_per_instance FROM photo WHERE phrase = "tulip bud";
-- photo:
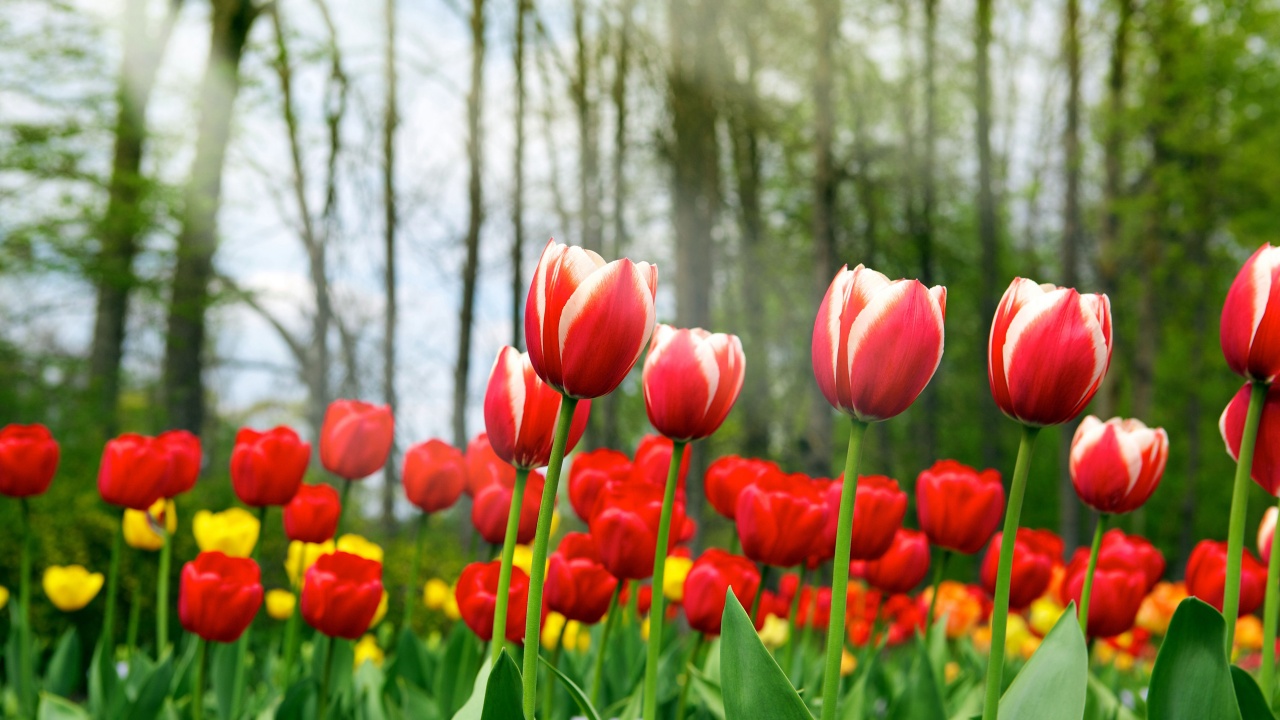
(218, 596)
(958, 507)
(578, 586)
(267, 467)
(905, 564)
(312, 515)
(589, 473)
(184, 461)
(356, 438)
(1115, 466)
(625, 528)
(485, 467)
(477, 592)
(691, 379)
(877, 514)
(341, 593)
(140, 526)
(653, 462)
(1207, 576)
(727, 477)
(280, 604)
(1118, 589)
(1136, 551)
(1250, 330)
(706, 586)
(778, 518)
(1266, 452)
(492, 504)
(72, 587)
(1266, 529)
(1035, 552)
(233, 531)
(133, 471)
(520, 412)
(28, 460)
(434, 475)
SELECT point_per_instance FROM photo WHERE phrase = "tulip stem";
(840, 573)
(598, 675)
(548, 700)
(162, 594)
(1086, 593)
(533, 618)
(113, 584)
(412, 593)
(938, 569)
(242, 645)
(197, 687)
(342, 509)
(657, 609)
(695, 655)
(508, 557)
(1268, 672)
(1000, 611)
(322, 704)
(1239, 508)
(291, 629)
(792, 636)
(27, 670)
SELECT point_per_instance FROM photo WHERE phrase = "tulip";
(712, 575)
(140, 526)
(578, 585)
(367, 651)
(281, 604)
(560, 632)
(878, 510)
(133, 471)
(1118, 588)
(4, 597)
(492, 504)
(1207, 576)
(267, 467)
(436, 593)
(778, 517)
(1138, 552)
(341, 593)
(484, 467)
(1266, 533)
(678, 567)
(72, 587)
(590, 472)
(28, 460)
(219, 596)
(184, 451)
(434, 475)
(233, 531)
(1266, 457)
(691, 379)
(904, 565)
(360, 546)
(312, 515)
(958, 507)
(520, 412)
(653, 461)
(356, 438)
(1034, 554)
(1115, 466)
(477, 599)
(301, 556)
(728, 476)
(625, 529)
(381, 612)
(959, 603)
(1250, 330)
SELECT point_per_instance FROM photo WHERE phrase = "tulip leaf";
(1253, 704)
(753, 684)
(106, 699)
(53, 707)
(152, 692)
(454, 675)
(1054, 682)
(224, 666)
(64, 671)
(1103, 704)
(410, 660)
(503, 693)
(708, 692)
(472, 708)
(920, 698)
(299, 701)
(1192, 677)
(575, 692)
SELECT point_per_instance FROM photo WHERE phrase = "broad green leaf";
(299, 701)
(475, 703)
(454, 675)
(575, 692)
(64, 671)
(152, 692)
(410, 660)
(106, 697)
(223, 665)
(416, 703)
(1192, 678)
(1103, 704)
(1054, 682)
(1252, 703)
(853, 705)
(753, 684)
(708, 692)
(920, 699)
(503, 693)
(53, 707)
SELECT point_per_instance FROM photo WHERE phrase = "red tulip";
(341, 593)
(625, 528)
(727, 476)
(691, 379)
(477, 593)
(28, 460)
(653, 461)
(903, 567)
(184, 461)
(815, 607)
(1207, 576)
(958, 507)
(312, 515)
(1035, 552)
(706, 587)
(133, 471)
(1266, 451)
(877, 343)
(578, 586)
(267, 467)
(1050, 348)
(218, 596)
(1116, 465)
(356, 438)
(1250, 330)
(587, 321)
(485, 467)
(1137, 551)
(1266, 529)
(520, 412)
(434, 475)
(491, 505)
(1117, 592)
(589, 473)
(877, 514)
(644, 598)
(779, 517)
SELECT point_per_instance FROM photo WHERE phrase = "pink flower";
(1116, 465)
(691, 380)
(520, 412)
(1250, 331)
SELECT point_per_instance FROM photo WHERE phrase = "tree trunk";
(1113, 192)
(391, 119)
(518, 290)
(589, 169)
(475, 219)
(183, 384)
(124, 218)
(988, 237)
(1068, 507)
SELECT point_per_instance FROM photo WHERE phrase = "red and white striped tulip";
(1117, 465)
(691, 380)
(586, 320)
(1049, 350)
(520, 412)
(876, 342)
(1250, 331)
(1266, 451)
(1266, 529)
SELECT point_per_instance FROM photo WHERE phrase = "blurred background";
(216, 213)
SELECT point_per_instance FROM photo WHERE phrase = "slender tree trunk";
(183, 385)
(517, 210)
(988, 233)
(124, 219)
(589, 169)
(475, 219)
(391, 119)
(930, 399)
(1113, 192)
(1072, 230)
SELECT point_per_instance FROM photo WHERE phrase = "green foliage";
(1192, 676)
(1054, 683)
(754, 685)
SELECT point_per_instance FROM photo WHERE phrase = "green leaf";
(1253, 705)
(299, 701)
(416, 703)
(1103, 703)
(1053, 684)
(224, 665)
(921, 699)
(575, 692)
(64, 671)
(53, 707)
(504, 693)
(1192, 678)
(753, 684)
(708, 692)
(454, 675)
(152, 692)
(410, 660)
(475, 704)
(106, 698)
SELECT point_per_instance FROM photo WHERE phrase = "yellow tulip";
(435, 594)
(673, 580)
(233, 531)
(140, 526)
(577, 636)
(1044, 615)
(551, 630)
(280, 604)
(357, 545)
(367, 650)
(306, 554)
(951, 671)
(72, 587)
(775, 632)
(523, 559)
(4, 596)
(848, 663)
(381, 612)
(451, 610)
(555, 522)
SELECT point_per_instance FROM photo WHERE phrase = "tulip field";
(591, 593)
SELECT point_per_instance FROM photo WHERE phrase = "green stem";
(840, 573)
(413, 593)
(113, 584)
(162, 594)
(322, 705)
(548, 700)
(135, 620)
(533, 619)
(508, 557)
(1268, 671)
(699, 643)
(242, 645)
(342, 509)
(943, 557)
(657, 610)
(633, 604)
(792, 635)
(27, 671)
(1239, 508)
(1086, 593)
(291, 629)
(1000, 611)
(197, 687)
(597, 676)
